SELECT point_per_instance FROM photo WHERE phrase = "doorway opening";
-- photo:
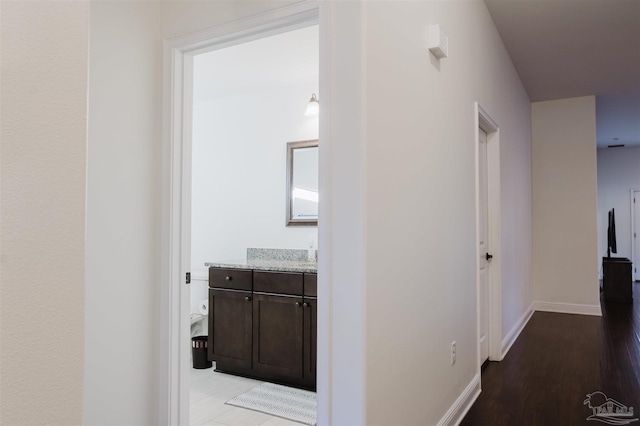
(248, 106)
(196, 114)
(618, 180)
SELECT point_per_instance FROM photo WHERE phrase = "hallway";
(559, 359)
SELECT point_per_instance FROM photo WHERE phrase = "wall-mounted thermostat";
(438, 42)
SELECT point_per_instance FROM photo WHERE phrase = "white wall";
(122, 290)
(618, 174)
(420, 245)
(239, 172)
(341, 369)
(43, 132)
(565, 245)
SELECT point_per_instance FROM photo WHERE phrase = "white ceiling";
(281, 60)
(618, 116)
(569, 48)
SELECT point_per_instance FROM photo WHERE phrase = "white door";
(636, 235)
(483, 249)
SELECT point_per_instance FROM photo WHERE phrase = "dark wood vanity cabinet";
(274, 336)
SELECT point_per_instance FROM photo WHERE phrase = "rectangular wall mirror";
(302, 183)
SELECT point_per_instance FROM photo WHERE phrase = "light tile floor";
(210, 391)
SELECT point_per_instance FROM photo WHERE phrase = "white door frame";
(175, 241)
(485, 122)
(635, 204)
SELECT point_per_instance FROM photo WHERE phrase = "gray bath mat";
(281, 401)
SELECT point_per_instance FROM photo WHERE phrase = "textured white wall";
(44, 80)
(122, 291)
(565, 243)
(420, 208)
(618, 174)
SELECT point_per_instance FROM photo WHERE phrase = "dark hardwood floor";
(556, 361)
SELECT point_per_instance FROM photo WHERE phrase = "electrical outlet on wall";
(453, 352)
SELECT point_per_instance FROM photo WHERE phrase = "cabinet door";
(277, 336)
(310, 341)
(230, 328)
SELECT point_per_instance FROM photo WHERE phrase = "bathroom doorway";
(249, 101)
(180, 118)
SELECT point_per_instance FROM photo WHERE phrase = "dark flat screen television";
(611, 234)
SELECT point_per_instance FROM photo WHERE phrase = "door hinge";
(188, 278)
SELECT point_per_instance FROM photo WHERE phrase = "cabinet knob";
(305, 305)
(228, 278)
(247, 298)
(297, 303)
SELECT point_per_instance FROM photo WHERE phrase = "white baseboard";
(515, 331)
(567, 308)
(459, 409)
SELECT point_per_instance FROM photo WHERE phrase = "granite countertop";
(266, 259)
(268, 265)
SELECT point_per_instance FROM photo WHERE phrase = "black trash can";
(199, 352)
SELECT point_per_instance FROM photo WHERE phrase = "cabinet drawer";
(278, 282)
(236, 279)
(311, 285)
